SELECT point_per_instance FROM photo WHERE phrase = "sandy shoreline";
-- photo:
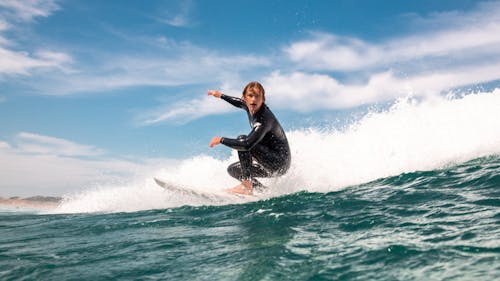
(35, 202)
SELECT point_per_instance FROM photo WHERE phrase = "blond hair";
(254, 87)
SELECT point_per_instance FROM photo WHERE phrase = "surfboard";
(199, 193)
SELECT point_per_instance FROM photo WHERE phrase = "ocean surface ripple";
(440, 224)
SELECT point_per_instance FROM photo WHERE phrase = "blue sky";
(93, 84)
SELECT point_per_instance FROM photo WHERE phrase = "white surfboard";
(199, 193)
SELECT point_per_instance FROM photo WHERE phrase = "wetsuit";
(266, 144)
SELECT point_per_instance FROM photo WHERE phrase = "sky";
(93, 89)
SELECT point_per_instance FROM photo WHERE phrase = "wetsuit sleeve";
(234, 101)
(246, 143)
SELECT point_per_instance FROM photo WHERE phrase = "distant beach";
(34, 202)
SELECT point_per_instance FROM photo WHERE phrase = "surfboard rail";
(199, 193)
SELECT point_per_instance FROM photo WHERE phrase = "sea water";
(407, 193)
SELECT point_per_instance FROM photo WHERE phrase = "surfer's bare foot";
(245, 187)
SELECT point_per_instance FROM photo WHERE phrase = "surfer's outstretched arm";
(242, 143)
(232, 100)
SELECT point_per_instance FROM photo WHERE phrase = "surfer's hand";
(215, 141)
(215, 93)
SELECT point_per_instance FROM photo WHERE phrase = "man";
(264, 152)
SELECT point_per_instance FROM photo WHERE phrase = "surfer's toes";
(240, 189)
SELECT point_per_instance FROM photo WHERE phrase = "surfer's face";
(254, 101)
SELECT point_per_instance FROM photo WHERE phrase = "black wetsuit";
(266, 144)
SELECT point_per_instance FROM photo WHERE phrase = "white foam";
(410, 136)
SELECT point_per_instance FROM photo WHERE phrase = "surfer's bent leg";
(275, 162)
(241, 172)
(246, 164)
(245, 169)
(268, 163)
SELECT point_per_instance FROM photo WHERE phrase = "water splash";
(411, 135)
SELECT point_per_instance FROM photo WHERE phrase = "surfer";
(264, 152)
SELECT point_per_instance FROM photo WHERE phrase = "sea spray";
(409, 136)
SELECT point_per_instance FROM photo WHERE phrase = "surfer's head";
(254, 96)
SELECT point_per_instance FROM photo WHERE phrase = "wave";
(411, 135)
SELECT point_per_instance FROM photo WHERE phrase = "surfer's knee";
(234, 170)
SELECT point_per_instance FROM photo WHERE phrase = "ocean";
(407, 193)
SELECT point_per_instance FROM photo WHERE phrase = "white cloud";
(452, 49)
(4, 145)
(177, 20)
(28, 10)
(47, 174)
(34, 164)
(54, 59)
(12, 62)
(306, 92)
(462, 50)
(185, 111)
(185, 65)
(21, 62)
(330, 52)
(479, 37)
(178, 17)
(167, 63)
(39, 144)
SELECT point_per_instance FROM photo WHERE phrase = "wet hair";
(254, 87)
